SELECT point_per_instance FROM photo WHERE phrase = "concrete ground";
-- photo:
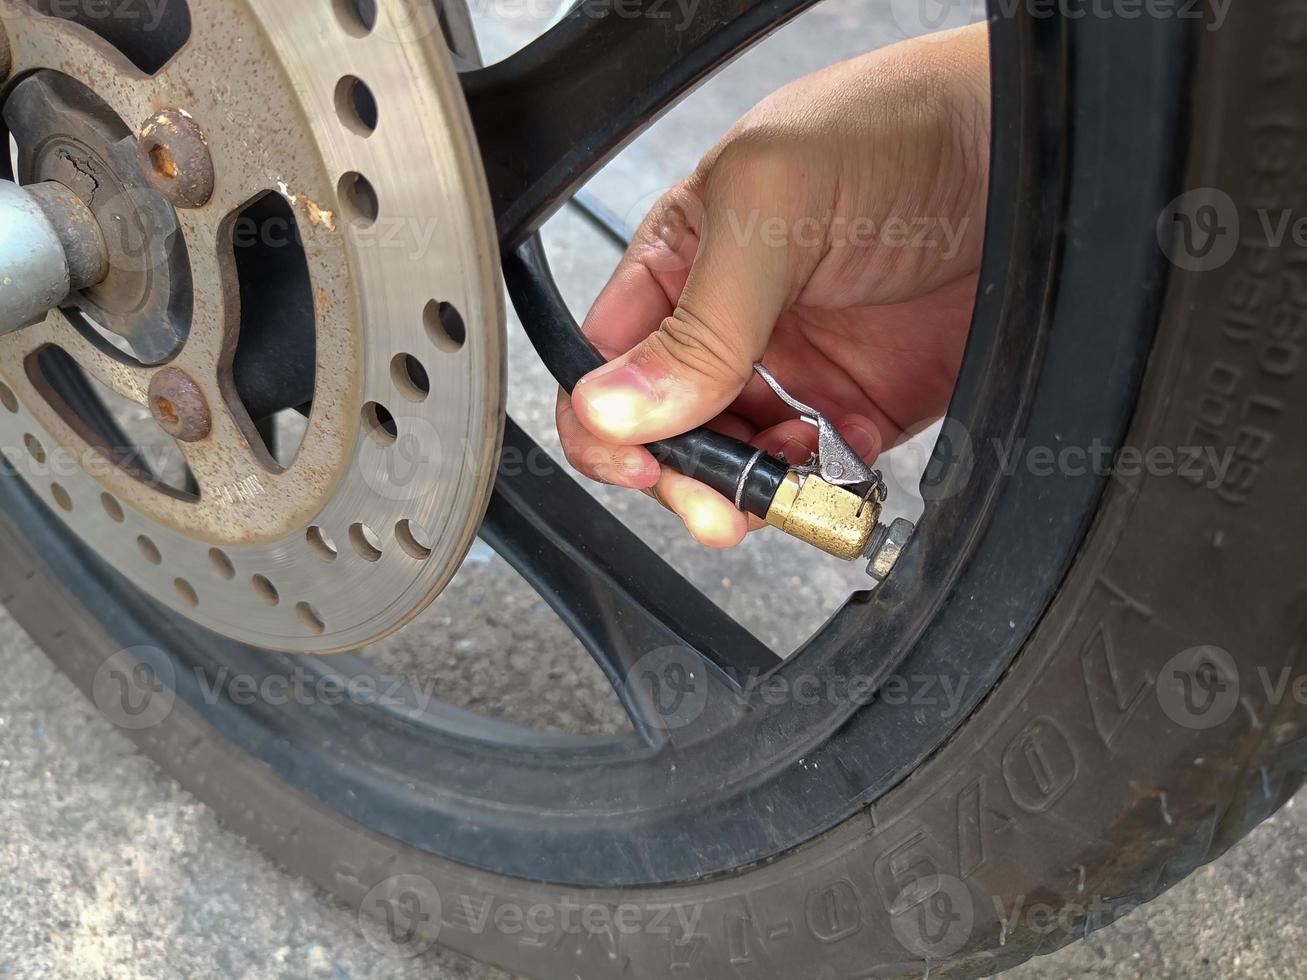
(109, 870)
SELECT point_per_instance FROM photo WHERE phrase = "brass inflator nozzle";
(833, 502)
(837, 521)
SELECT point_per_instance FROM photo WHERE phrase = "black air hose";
(710, 457)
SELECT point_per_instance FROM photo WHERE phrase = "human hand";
(834, 233)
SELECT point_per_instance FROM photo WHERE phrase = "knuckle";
(756, 162)
(666, 233)
(690, 344)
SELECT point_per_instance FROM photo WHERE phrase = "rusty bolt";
(174, 157)
(178, 405)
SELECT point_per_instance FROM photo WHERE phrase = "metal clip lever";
(836, 461)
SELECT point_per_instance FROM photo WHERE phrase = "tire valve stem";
(834, 500)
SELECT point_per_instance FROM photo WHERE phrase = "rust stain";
(317, 215)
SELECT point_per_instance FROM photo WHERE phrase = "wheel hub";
(353, 536)
(66, 133)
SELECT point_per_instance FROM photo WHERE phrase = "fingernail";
(616, 399)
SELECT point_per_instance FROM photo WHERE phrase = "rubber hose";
(710, 457)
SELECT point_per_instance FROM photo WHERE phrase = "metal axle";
(50, 246)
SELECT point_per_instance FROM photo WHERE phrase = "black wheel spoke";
(552, 114)
(620, 599)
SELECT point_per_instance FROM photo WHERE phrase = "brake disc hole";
(359, 199)
(34, 447)
(410, 377)
(222, 564)
(61, 496)
(149, 550)
(413, 539)
(309, 617)
(112, 508)
(357, 17)
(265, 590)
(379, 424)
(365, 541)
(356, 106)
(186, 591)
(444, 325)
(321, 543)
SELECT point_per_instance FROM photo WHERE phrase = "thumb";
(698, 361)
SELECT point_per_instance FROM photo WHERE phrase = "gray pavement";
(110, 870)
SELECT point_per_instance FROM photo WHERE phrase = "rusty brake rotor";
(370, 519)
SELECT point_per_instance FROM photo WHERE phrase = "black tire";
(1140, 732)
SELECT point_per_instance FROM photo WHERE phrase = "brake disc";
(372, 517)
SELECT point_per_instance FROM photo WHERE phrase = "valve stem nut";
(174, 157)
(885, 546)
